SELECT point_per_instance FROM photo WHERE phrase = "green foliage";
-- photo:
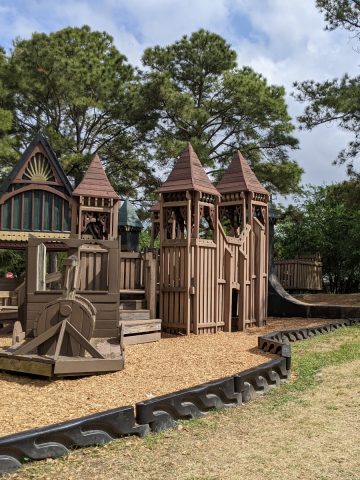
(12, 261)
(202, 97)
(341, 14)
(80, 91)
(336, 100)
(77, 88)
(8, 154)
(145, 240)
(327, 222)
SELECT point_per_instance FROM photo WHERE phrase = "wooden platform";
(64, 366)
(141, 331)
(135, 318)
(8, 314)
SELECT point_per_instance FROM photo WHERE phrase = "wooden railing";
(299, 274)
(8, 291)
(131, 271)
(138, 271)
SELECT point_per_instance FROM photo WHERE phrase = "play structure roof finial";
(188, 174)
(240, 177)
(95, 182)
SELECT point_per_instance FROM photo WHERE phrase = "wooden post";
(150, 283)
(215, 286)
(188, 265)
(162, 238)
(242, 305)
(259, 272)
(198, 270)
(115, 221)
(75, 218)
(228, 292)
(41, 267)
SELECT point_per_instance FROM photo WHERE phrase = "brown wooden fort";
(209, 275)
(213, 248)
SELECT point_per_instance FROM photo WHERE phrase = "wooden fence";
(299, 274)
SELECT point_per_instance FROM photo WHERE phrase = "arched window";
(36, 210)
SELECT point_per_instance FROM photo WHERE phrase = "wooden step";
(132, 293)
(134, 314)
(141, 331)
(132, 304)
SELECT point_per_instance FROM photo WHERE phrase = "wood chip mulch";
(151, 369)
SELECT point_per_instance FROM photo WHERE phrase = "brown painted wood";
(14, 364)
(68, 366)
(146, 338)
(228, 291)
(28, 346)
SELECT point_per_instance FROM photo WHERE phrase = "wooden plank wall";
(94, 270)
(131, 271)
(244, 276)
(204, 318)
(299, 274)
(94, 266)
(174, 287)
(98, 282)
(107, 310)
(223, 313)
(216, 270)
(261, 262)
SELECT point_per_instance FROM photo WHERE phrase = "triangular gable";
(239, 177)
(38, 164)
(188, 174)
(95, 182)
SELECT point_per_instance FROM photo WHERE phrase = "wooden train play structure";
(209, 274)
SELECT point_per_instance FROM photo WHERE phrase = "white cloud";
(284, 40)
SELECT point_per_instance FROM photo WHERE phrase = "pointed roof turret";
(128, 216)
(95, 182)
(188, 174)
(239, 177)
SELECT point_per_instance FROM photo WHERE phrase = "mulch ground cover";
(150, 370)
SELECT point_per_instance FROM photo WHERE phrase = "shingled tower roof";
(188, 174)
(128, 216)
(95, 182)
(240, 178)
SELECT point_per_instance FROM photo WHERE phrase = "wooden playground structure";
(212, 277)
(209, 275)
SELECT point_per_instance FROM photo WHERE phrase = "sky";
(284, 40)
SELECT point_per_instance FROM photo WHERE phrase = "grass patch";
(309, 357)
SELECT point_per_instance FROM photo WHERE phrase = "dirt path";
(313, 437)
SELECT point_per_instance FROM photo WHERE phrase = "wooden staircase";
(135, 318)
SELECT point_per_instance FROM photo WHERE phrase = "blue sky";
(282, 39)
